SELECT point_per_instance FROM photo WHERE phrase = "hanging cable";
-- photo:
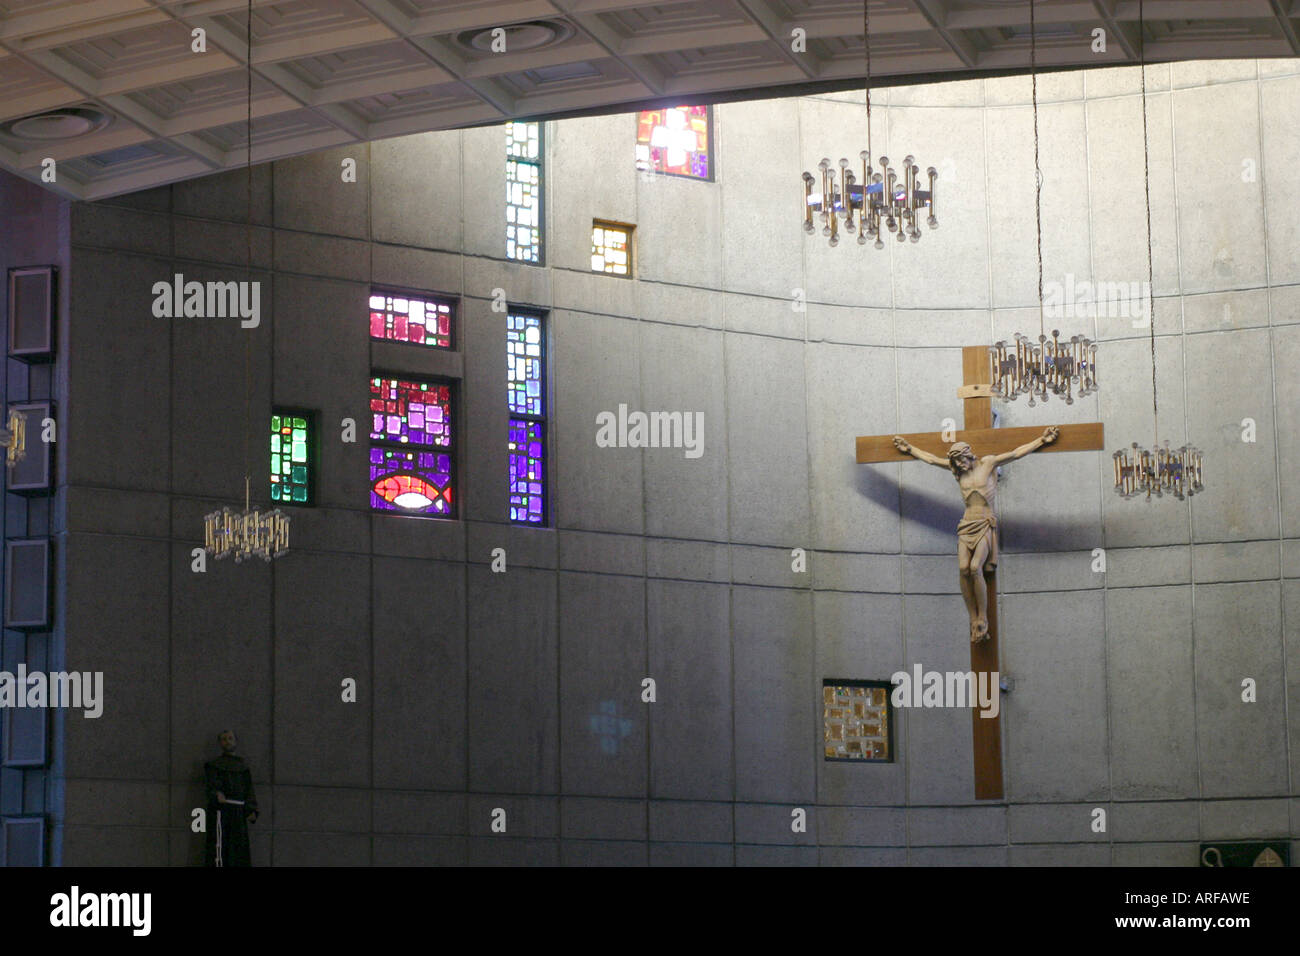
(250, 533)
(1151, 284)
(248, 340)
(1038, 171)
(1159, 470)
(866, 43)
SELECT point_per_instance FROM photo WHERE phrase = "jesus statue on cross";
(977, 533)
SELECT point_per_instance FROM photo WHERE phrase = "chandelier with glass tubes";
(883, 201)
(887, 200)
(1160, 471)
(1043, 368)
(247, 534)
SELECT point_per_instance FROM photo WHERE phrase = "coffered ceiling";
(142, 108)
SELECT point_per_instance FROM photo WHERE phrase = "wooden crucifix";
(979, 434)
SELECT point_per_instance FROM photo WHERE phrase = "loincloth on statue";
(971, 531)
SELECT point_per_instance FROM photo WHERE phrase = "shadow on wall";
(941, 513)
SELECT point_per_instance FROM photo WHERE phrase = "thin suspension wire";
(248, 339)
(866, 43)
(1146, 160)
(1038, 171)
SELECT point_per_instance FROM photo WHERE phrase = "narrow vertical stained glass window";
(418, 319)
(525, 393)
(412, 451)
(677, 141)
(524, 192)
(611, 248)
(291, 457)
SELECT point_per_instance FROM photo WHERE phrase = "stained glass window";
(525, 387)
(402, 318)
(291, 457)
(611, 248)
(677, 141)
(524, 191)
(412, 449)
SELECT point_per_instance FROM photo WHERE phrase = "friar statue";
(232, 805)
(977, 532)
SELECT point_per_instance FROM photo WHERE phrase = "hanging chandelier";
(247, 534)
(889, 200)
(250, 533)
(1175, 471)
(1042, 367)
(1161, 469)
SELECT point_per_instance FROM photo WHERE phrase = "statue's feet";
(979, 631)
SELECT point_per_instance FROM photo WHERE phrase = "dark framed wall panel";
(22, 841)
(27, 584)
(23, 731)
(34, 474)
(31, 313)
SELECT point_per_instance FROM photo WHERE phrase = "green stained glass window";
(292, 478)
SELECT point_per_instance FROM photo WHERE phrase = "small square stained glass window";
(611, 248)
(676, 141)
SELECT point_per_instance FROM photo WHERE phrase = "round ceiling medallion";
(531, 35)
(66, 123)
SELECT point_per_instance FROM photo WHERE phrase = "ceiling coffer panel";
(171, 75)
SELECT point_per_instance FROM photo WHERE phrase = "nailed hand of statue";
(1051, 434)
(902, 445)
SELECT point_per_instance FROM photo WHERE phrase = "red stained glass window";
(420, 320)
(677, 141)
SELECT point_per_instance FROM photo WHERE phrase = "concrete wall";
(482, 690)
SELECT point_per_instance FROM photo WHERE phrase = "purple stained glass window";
(525, 396)
(410, 412)
(411, 453)
(410, 481)
(527, 471)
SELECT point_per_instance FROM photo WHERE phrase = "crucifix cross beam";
(984, 439)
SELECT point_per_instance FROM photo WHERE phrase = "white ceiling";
(330, 72)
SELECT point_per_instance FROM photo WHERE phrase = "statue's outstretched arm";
(919, 454)
(1049, 435)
